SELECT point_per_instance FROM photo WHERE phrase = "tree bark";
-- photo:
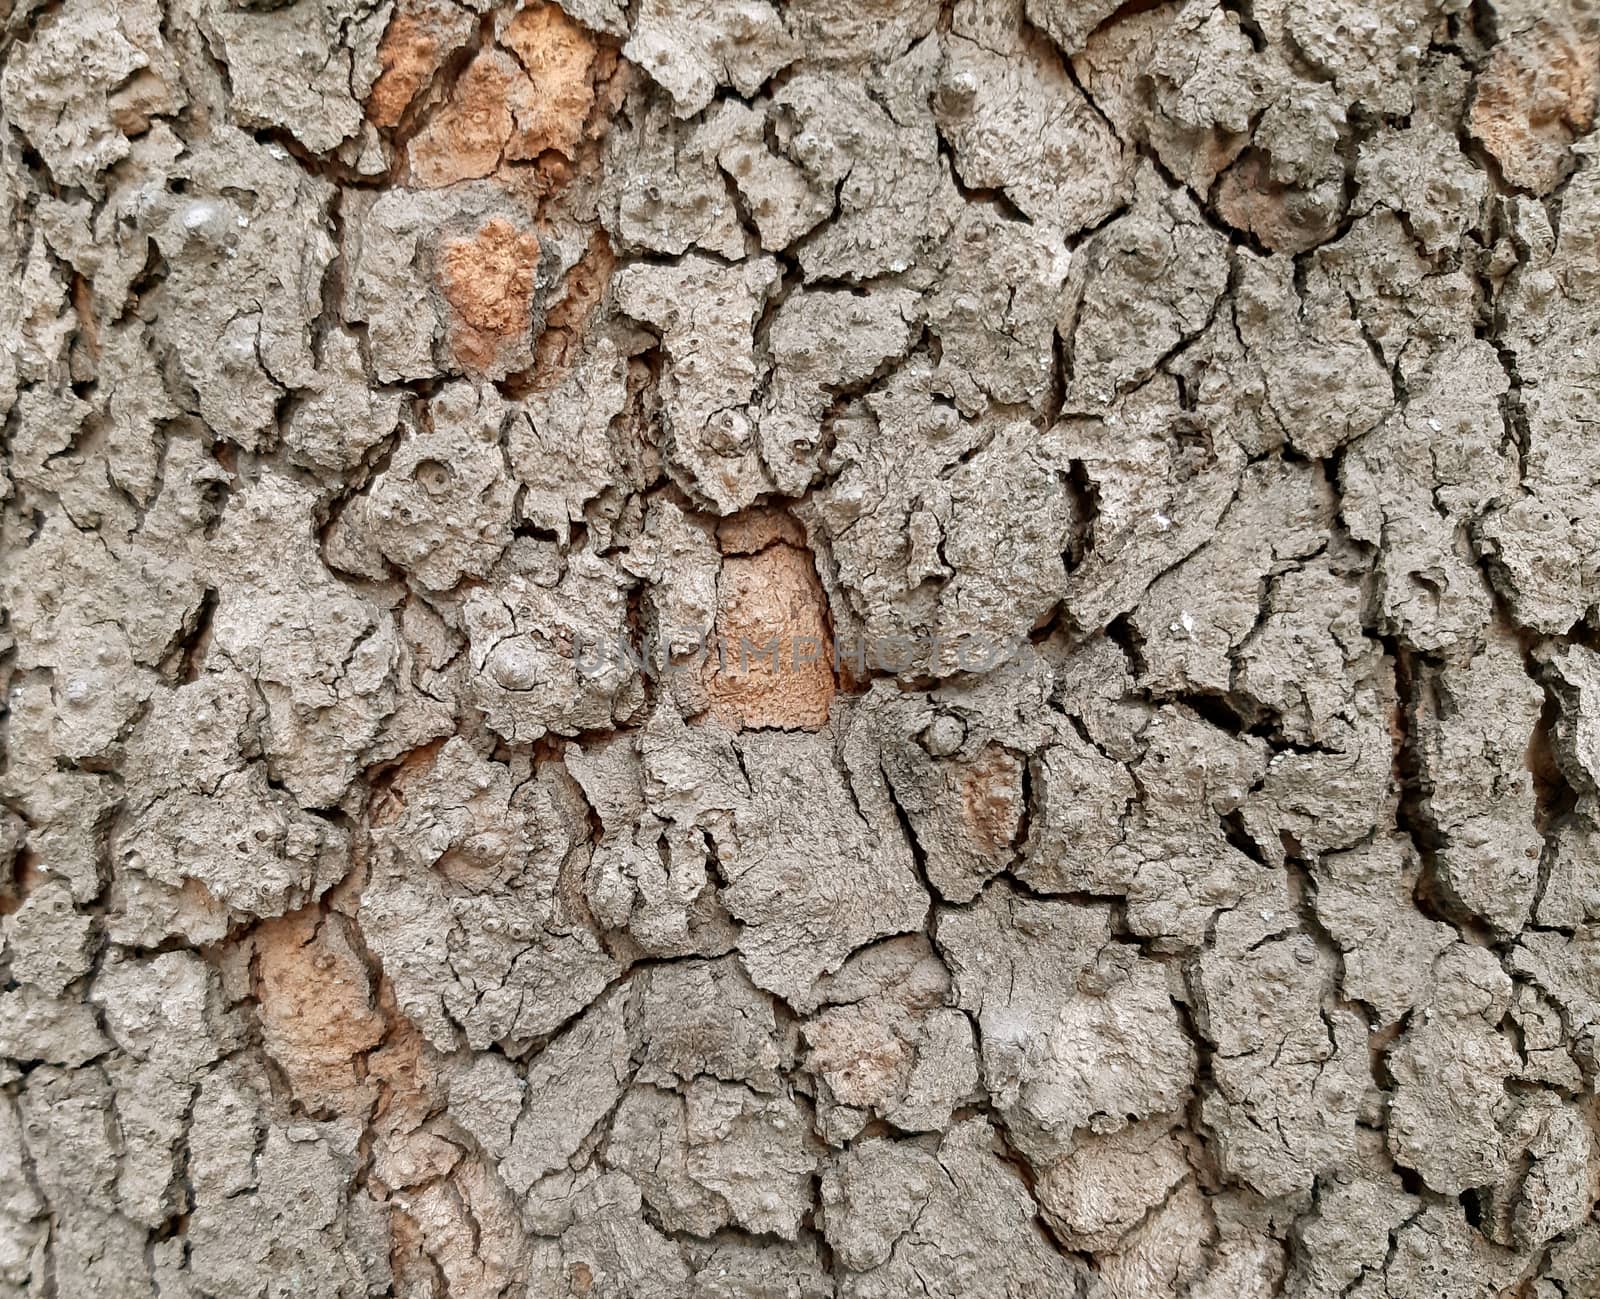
(679, 650)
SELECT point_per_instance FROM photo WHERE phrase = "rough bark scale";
(1231, 367)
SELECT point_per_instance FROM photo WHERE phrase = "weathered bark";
(707, 650)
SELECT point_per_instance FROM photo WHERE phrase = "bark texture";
(1135, 833)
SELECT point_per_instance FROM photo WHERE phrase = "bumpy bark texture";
(800, 648)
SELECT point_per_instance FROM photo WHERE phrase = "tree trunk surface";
(800, 649)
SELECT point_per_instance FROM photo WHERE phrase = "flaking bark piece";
(441, 509)
(289, 68)
(886, 1044)
(816, 864)
(944, 536)
(546, 641)
(1152, 832)
(206, 815)
(46, 940)
(1162, 477)
(894, 198)
(994, 310)
(1139, 289)
(1365, 900)
(568, 446)
(823, 341)
(240, 223)
(1077, 1031)
(86, 79)
(693, 47)
(707, 314)
(960, 790)
(323, 656)
(1473, 732)
(1017, 123)
(1451, 1115)
(1266, 1006)
(705, 1019)
(471, 907)
(1543, 541)
(717, 1155)
(664, 191)
(949, 1220)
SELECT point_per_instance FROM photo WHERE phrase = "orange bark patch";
(1534, 99)
(528, 111)
(410, 1088)
(389, 796)
(143, 96)
(419, 38)
(466, 139)
(528, 96)
(488, 282)
(991, 801)
(773, 669)
(317, 1017)
(553, 103)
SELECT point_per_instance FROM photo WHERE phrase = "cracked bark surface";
(831, 651)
